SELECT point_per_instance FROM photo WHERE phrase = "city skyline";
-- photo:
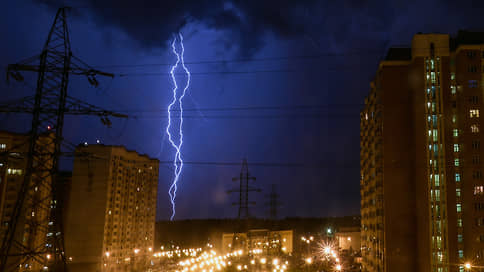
(295, 85)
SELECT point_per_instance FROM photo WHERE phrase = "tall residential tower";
(422, 187)
(111, 212)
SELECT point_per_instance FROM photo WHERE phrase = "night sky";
(279, 82)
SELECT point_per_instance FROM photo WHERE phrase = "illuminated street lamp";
(309, 260)
(467, 266)
(338, 267)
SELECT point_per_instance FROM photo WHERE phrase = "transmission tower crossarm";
(73, 106)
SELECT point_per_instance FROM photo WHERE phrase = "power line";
(242, 60)
(229, 72)
(319, 165)
(287, 116)
(249, 108)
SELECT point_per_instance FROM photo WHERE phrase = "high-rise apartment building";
(14, 148)
(422, 185)
(111, 214)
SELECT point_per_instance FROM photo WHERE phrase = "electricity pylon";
(34, 236)
(273, 203)
(243, 190)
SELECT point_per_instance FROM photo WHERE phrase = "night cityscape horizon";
(242, 136)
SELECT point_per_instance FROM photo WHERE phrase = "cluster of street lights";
(330, 253)
(327, 252)
(210, 261)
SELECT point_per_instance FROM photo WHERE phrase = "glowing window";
(437, 195)
(474, 113)
(457, 162)
(457, 192)
(457, 177)
(474, 128)
(456, 148)
(12, 171)
(3, 146)
(478, 190)
(455, 132)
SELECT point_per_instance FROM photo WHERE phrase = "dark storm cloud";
(153, 22)
(334, 24)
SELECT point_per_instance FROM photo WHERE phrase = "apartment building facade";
(422, 189)
(111, 213)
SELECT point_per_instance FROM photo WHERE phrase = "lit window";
(479, 190)
(11, 171)
(472, 83)
(457, 192)
(459, 222)
(453, 89)
(460, 239)
(455, 132)
(461, 253)
(454, 118)
(456, 162)
(437, 195)
(456, 148)
(474, 113)
(452, 76)
(474, 128)
(457, 177)
(3, 146)
(435, 134)
(459, 207)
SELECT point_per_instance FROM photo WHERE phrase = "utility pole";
(273, 203)
(34, 236)
(243, 190)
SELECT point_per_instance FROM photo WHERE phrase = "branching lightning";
(177, 161)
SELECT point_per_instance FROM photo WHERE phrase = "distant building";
(111, 211)
(258, 241)
(349, 239)
(422, 186)
(14, 148)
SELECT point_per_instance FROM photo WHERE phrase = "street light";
(338, 267)
(467, 266)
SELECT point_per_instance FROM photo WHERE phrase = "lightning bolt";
(177, 161)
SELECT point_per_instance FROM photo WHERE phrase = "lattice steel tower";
(33, 239)
(244, 190)
(273, 203)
